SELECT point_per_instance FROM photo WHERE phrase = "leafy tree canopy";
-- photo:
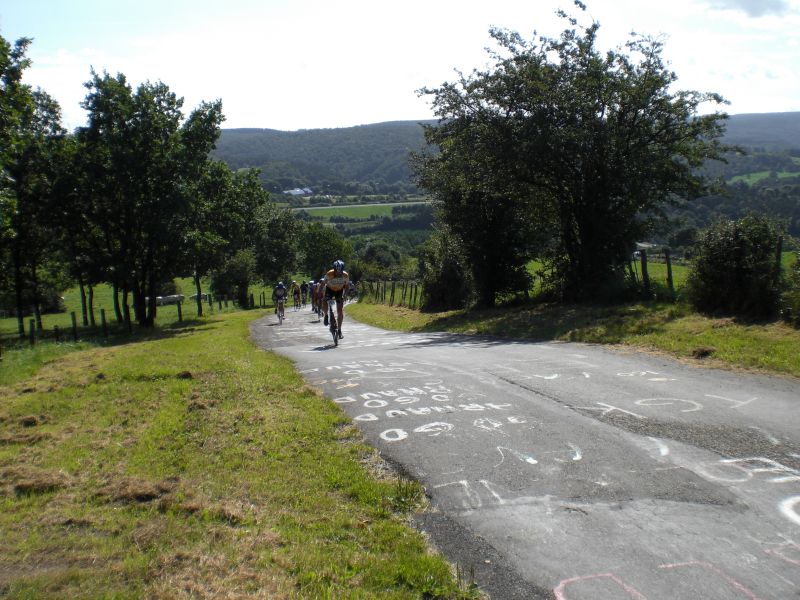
(564, 153)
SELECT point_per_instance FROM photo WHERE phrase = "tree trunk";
(150, 312)
(199, 293)
(126, 311)
(18, 295)
(91, 306)
(117, 311)
(83, 303)
(37, 305)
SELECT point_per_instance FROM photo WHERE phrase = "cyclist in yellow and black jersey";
(336, 282)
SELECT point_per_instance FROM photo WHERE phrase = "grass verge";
(662, 327)
(192, 465)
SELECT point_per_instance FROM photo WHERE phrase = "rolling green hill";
(373, 159)
(772, 132)
(366, 159)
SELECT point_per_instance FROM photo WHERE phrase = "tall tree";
(275, 242)
(143, 161)
(319, 246)
(30, 134)
(223, 221)
(587, 146)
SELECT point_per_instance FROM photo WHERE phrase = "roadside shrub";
(234, 277)
(734, 270)
(790, 302)
(446, 283)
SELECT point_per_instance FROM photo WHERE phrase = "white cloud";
(755, 8)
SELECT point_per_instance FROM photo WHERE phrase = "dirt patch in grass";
(136, 489)
(23, 438)
(30, 480)
(217, 575)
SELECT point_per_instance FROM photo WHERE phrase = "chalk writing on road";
(586, 583)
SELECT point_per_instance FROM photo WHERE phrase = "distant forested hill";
(373, 159)
(771, 132)
(351, 160)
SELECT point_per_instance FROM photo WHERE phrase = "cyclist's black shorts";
(329, 293)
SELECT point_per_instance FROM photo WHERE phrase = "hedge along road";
(569, 471)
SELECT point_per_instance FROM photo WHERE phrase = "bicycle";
(332, 320)
(279, 309)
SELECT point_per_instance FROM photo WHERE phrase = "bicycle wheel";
(334, 330)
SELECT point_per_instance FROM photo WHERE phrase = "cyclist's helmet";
(338, 265)
(280, 284)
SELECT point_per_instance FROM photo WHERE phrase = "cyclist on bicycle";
(279, 297)
(295, 290)
(335, 282)
(304, 291)
(320, 292)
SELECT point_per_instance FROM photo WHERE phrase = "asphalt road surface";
(570, 471)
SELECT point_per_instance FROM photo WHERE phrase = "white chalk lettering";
(406, 400)
(790, 508)
(375, 403)
(394, 435)
(736, 403)
(693, 406)
(366, 417)
(488, 425)
(435, 429)
(740, 470)
(608, 408)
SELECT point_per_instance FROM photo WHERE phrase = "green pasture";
(356, 211)
(191, 464)
(753, 178)
(103, 300)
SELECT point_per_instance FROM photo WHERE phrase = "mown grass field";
(190, 464)
(752, 178)
(359, 212)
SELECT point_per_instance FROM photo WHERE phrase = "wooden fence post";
(180, 313)
(32, 331)
(56, 333)
(74, 327)
(103, 323)
(670, 282)
(645, 276)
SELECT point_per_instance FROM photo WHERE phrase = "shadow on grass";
(543, 322)
(19, 358)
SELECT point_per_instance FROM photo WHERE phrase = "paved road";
(570, 471)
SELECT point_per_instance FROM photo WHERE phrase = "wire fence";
(402, 292)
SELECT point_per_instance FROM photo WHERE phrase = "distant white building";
(298, 192)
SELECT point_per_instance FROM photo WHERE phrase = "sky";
(309, 64)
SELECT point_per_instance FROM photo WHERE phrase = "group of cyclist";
(334, 285)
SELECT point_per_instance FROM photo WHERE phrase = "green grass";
(191, 464)
(752, 178)
(103, 299)
(661, 327)
(360, 212)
